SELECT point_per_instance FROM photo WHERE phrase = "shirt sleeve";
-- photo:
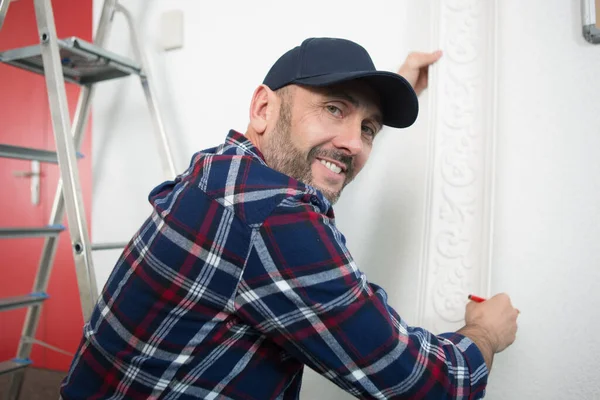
(302, 289)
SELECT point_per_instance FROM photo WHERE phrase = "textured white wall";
(547, 222)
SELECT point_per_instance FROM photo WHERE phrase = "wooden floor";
(39, 384)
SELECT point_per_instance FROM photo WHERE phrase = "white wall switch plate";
(171, 30)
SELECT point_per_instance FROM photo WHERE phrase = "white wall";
(547, 222)
(546, 208)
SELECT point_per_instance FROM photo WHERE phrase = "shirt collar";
(239, 144)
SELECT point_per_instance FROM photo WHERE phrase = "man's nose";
(350, 140)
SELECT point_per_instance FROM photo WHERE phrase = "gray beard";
(281, 155)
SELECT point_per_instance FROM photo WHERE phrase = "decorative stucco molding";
(460, 167)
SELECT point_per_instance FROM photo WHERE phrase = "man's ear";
(261, 108)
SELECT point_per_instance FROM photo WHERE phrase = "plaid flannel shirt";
(237, 280)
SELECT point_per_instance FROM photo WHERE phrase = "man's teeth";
(331, 166)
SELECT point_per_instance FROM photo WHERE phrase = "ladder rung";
(83, 62)
(109, 246)
(14, 233)
(13, 365)
(25, 153)
(10, 303)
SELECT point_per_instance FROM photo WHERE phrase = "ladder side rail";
(147, 82)
(65, 148)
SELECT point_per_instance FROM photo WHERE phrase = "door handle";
(25, 174)
(34, 174)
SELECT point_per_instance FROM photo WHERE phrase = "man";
(240, 277)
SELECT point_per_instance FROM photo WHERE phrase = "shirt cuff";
(478, 371)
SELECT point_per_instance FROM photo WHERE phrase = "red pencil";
(476, 299)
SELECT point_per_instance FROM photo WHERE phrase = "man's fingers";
(415, 69)
(419, 60)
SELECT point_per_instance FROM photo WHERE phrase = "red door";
(25, 121)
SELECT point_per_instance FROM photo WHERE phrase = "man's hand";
(416, 69)
(492, 325)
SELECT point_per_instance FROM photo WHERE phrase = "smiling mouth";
(331, 166)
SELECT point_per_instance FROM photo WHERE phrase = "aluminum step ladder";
(76, 61)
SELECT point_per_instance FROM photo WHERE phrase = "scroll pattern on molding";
(456, 256)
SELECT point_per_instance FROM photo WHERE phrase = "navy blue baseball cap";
(322, 62)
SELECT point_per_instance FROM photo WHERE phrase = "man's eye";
(333, 110)
(367, 130)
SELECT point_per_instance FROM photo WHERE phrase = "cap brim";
(399, 102)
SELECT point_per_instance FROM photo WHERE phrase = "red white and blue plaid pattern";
(237, 280)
